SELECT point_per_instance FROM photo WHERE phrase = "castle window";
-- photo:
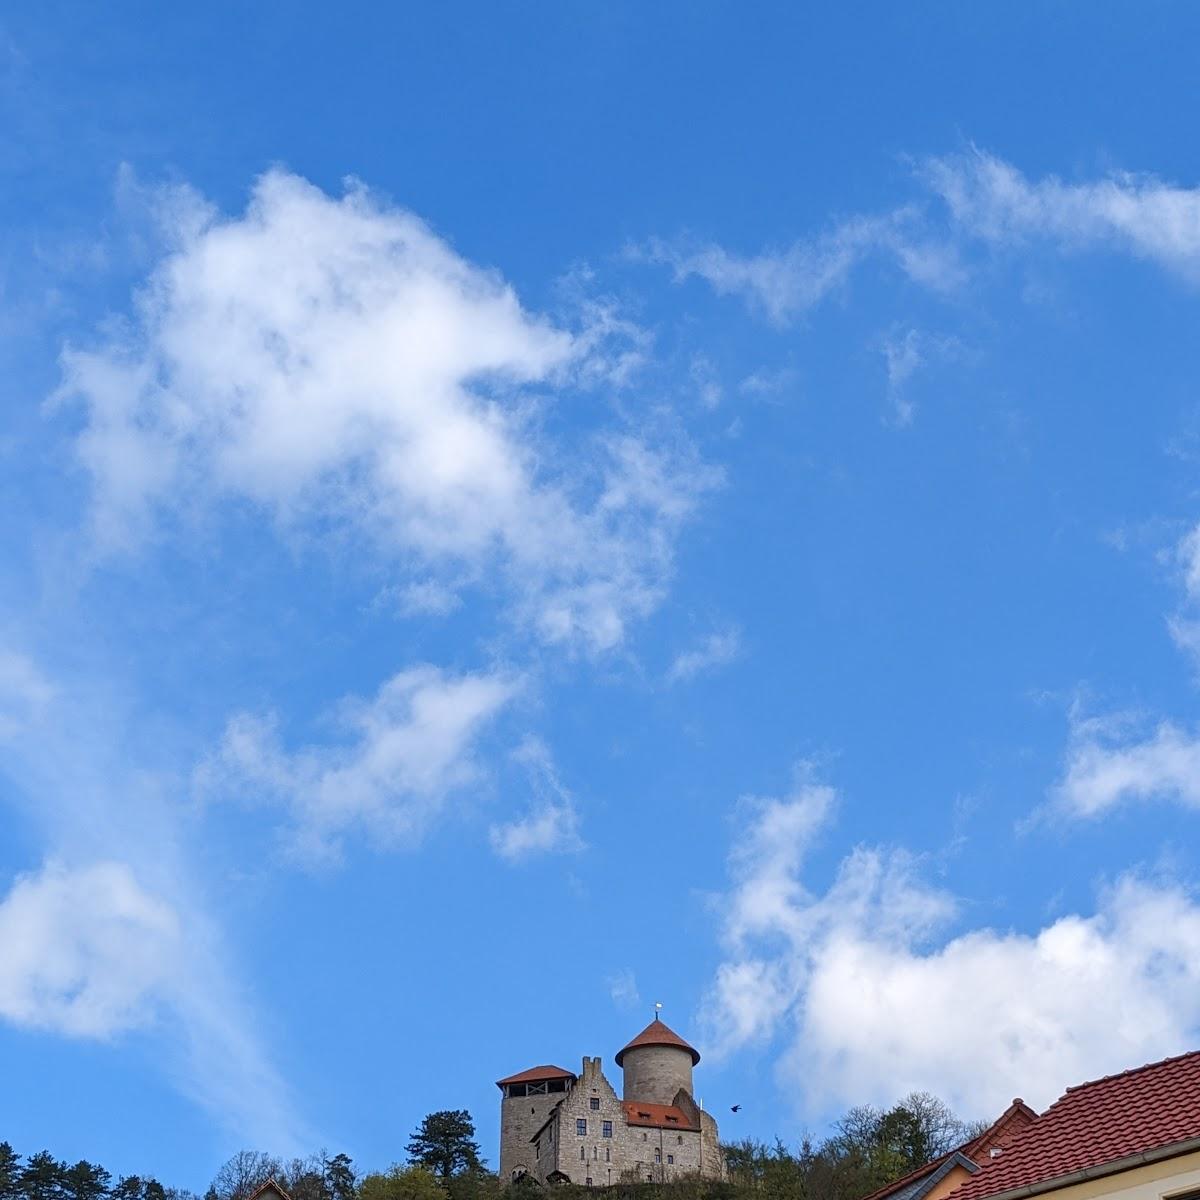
(595, 1102)
(607, 1154)
(681, 1139)
(658, 1156)
(537, 1089)
(581, 1126)
(643, 1135)
(582, 1154)
(670, 1158)
(672, 1118)
(606, 1128)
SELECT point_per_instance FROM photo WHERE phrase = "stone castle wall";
(632, 1153)
(520, 1118)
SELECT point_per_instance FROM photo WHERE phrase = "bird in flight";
(735, 1108)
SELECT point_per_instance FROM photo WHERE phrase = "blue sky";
(519, 512)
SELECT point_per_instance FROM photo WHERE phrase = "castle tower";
(657, 1064)
(527, 1099)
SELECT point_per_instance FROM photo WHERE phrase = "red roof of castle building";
(536, 1074)
(1096, 1127)
(657, 1034)
(664, 1116)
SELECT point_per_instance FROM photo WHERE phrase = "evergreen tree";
(86, 1181)
(128, 1187)
(43, 1177)
(340, 1182)
(10, 1172)
(445, 1144)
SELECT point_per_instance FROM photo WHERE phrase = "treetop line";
(868, 1149)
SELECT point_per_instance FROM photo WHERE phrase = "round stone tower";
(657, 1063)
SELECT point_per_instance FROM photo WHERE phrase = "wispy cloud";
(870, 964)
(785, 283)
(623, 988)
(968, 199)
(717, 649)
(991, 199)
(905, 353)
(407, 749)
(113, 936)
(24, 692)
(551, 825)
(1112, 760)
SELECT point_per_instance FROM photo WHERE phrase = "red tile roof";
(657, 1034)
(660, 1116)
(269, 1186)
(1097, 1124)
(536, 1074)
(1017, 1117)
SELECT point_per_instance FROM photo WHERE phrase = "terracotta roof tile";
(536, 1074)
(269, 1186)
(660, 1116)
(1097, 1123)
(1001, 1132)
(657, 1034)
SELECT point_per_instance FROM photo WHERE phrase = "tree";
(339, 1176)
(445, 1144)
(10, 1172)
(43, 1177)
(86, 1181)
(304, 1179)
(402, 1183)
(243, 1173)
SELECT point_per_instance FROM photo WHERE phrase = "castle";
(558, 1127)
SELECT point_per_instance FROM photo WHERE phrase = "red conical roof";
(657, 1034)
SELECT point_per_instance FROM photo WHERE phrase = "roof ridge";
(1162, 1062)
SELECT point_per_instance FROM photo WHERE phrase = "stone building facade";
(558, 1127)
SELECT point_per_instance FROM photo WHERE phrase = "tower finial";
(657, 1008)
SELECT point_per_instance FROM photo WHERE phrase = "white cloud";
(904, 355)
(551, 825)
(990, 199)
(24, 692)
(409, 748)
(85, 952)
(716, 650)
(873, 998)
(986, 200)
(707, 381)
(335, 360)
(113, 936)
(1184, 624)
(550, 828)
(623, 988)
(1109, 763)
(421, 598)
(786, 283)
